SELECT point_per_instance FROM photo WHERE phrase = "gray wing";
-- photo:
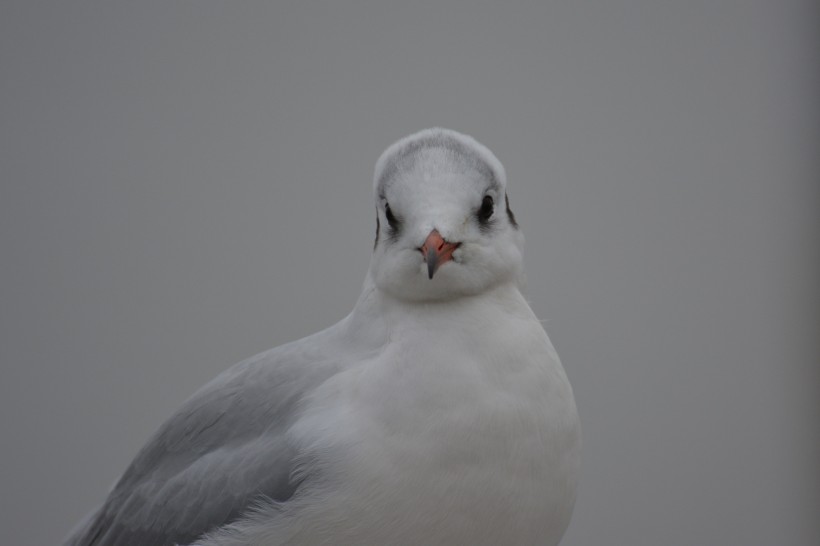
(222, 452)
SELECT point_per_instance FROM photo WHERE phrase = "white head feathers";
(441, 150)
(438, 188)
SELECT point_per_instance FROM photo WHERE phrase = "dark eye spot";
(486, 210)
(393, 223)
(391, 218)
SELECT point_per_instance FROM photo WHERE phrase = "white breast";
(462, 429)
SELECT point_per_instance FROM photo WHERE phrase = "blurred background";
(186, 184)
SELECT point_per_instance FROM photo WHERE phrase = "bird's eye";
(486, 210)
(391, 218)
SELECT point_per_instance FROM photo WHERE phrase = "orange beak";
(436, 251)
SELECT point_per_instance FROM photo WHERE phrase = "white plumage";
(437, 412)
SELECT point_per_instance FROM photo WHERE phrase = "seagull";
(437, 412)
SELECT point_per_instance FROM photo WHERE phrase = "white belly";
(480, 449)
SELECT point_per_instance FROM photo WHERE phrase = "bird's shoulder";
(248, 398)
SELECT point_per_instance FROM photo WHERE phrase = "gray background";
(185, 184)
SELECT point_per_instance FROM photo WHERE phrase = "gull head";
(444, 228)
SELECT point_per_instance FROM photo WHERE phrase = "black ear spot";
(378, 229)
(510, 214)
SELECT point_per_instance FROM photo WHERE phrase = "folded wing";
(223, 452)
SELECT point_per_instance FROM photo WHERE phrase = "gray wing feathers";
(222, 452)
